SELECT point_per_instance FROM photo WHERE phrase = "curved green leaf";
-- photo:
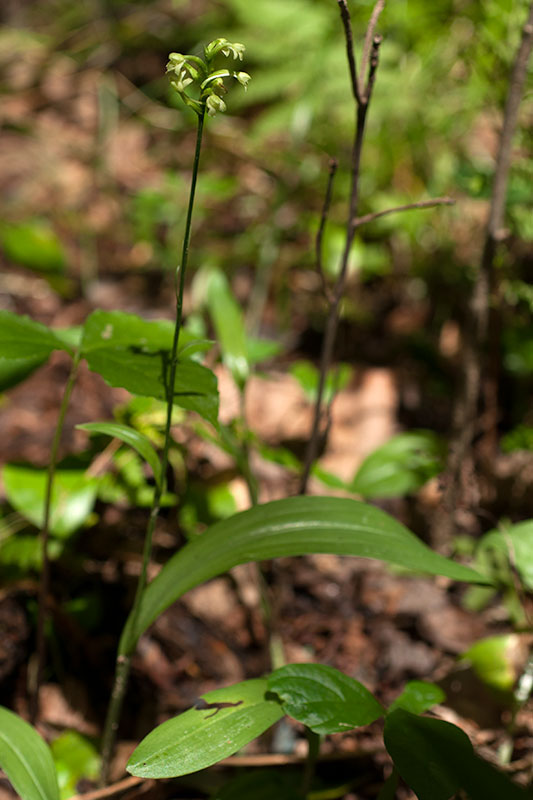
(291, 527)
(324, 699)
(418, 696)
(129, 436)
(200, 737)
(402, 465)
(228, 320)
(23, 338)
(73, 496)
(26, 759)
(436, 759)
(515, 544)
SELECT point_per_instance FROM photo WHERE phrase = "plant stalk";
(44, 587)
(123, 662)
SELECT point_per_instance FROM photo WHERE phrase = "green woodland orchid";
(189, 70)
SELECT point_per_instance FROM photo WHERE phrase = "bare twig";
(348, 35)
(374, 61)
(323, 220)
(367, 47)
(436, 201)
(338, 289)
(110, 791)
(475, 335)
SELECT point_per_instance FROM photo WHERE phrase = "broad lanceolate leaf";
(324, 699)
(436, 759)
(291, 527)
(200, 737)
(418, 696)
(402, 465)
(129, 436)
(229, 325)
(73, 496)
(26, 759)
(130, 352)
(22, 337)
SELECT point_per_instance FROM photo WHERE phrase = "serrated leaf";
(199, 738)
(402, 465)
(73, 496)
(22, 337)
(324, 699)
(290, 527)
(129, 436)
(418, 696)
(132, 353)
(26, 759)
(436, 759)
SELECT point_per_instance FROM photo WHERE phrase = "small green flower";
(187, 70)
(214, 103)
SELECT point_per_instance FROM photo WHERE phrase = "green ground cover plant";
(163, 361)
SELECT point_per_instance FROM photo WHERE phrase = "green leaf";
(73, 496)
(23, 338)
(436, 759)
(418, 696)
(129, 436)
(26, 759)
(130, 352)
(324, 699)
(262, 349)
(75, 757)
(290, 527)
(199, 738)
(515, 542)
(117, 329)
(229, 325)
(33, 245)
(402, 465)
(15, 370)
(492, 660)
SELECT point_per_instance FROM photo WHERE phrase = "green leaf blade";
(436, 759)
(199, 738)
(291, 527)
(73, 496)
(418, 696)
(138, 441)
(324, 699)
(23, 338)
(400, 466)
(26, 759)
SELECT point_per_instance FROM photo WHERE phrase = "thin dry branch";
(348, 35)
(367, 46)
(436, 201)
(333, 164)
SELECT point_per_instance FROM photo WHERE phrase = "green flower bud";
(214, 103)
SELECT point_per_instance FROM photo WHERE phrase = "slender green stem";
(123, 662)
(44, 587)
(313, 747)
